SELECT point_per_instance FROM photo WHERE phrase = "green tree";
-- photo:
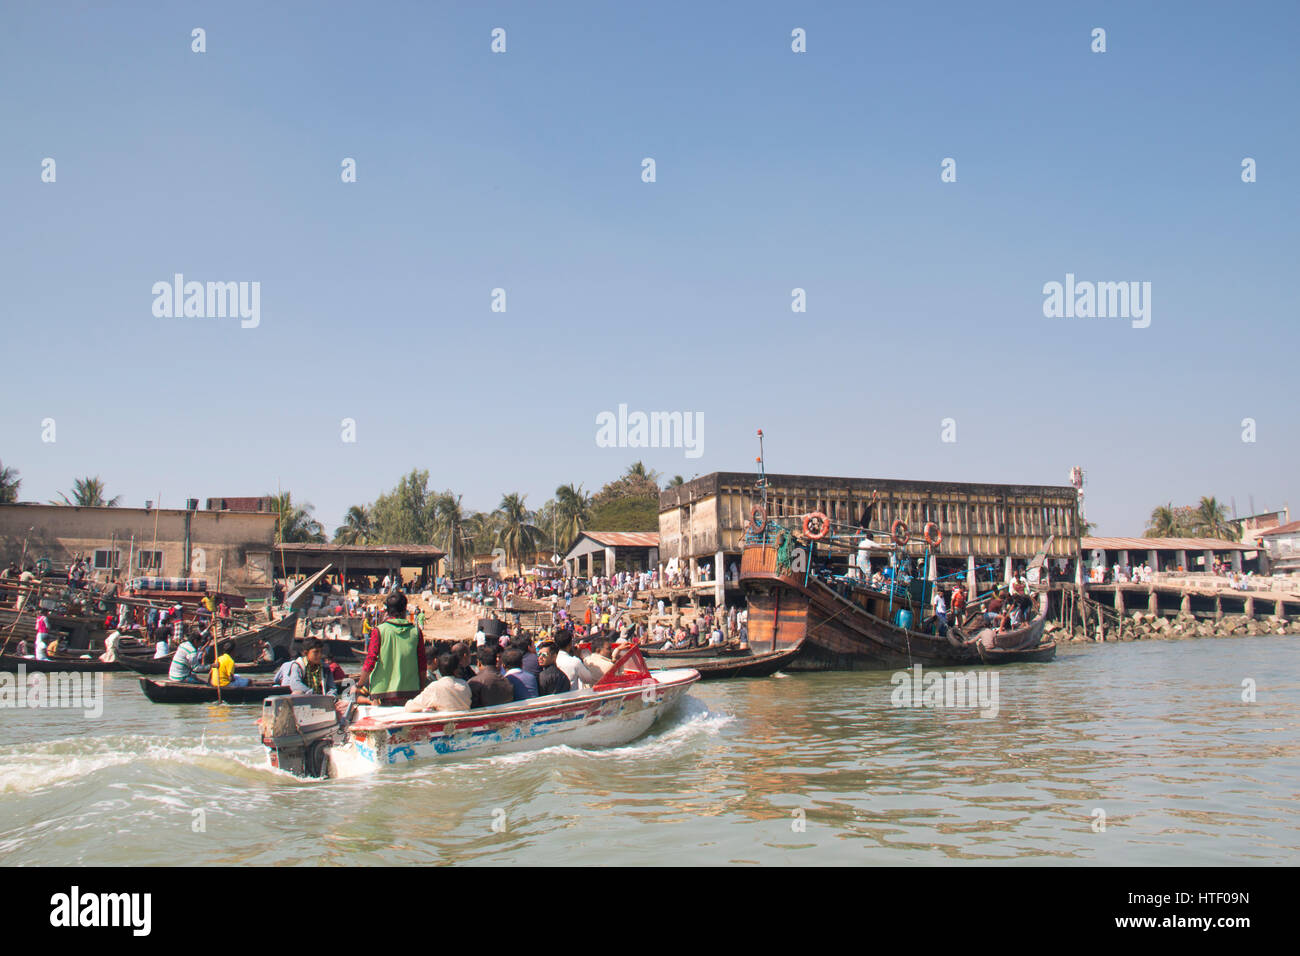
(1164, 522)
(405, 515)
(356, 528)
(625, 514)
(573, 510)
(677, 480)
(295, 524)
(9, 484)
(88, 493)
(517, 534)
(453, 529)
(1212, 520)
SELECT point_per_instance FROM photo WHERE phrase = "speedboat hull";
(382, 737)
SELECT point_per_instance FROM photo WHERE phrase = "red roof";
(625, 539)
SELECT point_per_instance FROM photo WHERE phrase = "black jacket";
(552, 681)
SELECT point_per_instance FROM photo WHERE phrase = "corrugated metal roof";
(379, 549)
(1289, 528)
(1162, 544)
(625, 539)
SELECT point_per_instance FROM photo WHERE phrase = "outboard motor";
(298, 732)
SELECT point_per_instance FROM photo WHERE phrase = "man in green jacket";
(395, 666)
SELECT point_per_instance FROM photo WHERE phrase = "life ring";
(898, 531)
(758, 517)
(816, 526)
(933, 540)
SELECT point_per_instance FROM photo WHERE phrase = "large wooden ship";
(807, 587)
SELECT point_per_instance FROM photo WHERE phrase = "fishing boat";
(182, 692)
(805, 578)
(143, 664)
(1036, 654)
(744, 665)
(305, 735)
(57, 663)
(690, 653)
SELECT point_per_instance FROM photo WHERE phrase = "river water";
(1141, 753)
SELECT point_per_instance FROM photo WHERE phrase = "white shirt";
(576, 670)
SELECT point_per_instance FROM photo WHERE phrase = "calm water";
(803, 769)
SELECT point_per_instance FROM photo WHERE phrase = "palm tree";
(88, 493)
(357, 528)
(1212, 520)
(295, 524)
(572, 507)
(677, 480)
(638, 470)
(454, 529)
(1164, 523)
(9, 482)
(517, 534)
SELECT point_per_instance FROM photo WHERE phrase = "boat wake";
(75, 759)
(690, 722)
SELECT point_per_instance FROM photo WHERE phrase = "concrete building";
(1166, 554)
(705, 519)
(1282, 547)
(124, 543)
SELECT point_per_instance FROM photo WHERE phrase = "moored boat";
(303, 735)
(747, 665)
(57, 663)
(1036, 654)
(182, 692)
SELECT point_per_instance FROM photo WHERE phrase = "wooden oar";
(216, 646)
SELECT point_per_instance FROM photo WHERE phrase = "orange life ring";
(758, 517)
(898, 531)
(823, 526)
(933, 540)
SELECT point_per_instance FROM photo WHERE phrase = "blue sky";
(775, 170)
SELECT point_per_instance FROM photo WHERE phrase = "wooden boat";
(843, 625)
(691, 653)
(142, 664)
(1038, 653)
(750, 665)
(180, 692)
(303, 735)
(58, 663)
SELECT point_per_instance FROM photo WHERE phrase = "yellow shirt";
(209, 605)
(222, 673)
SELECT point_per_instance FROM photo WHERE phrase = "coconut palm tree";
(638, 469)
(9, 483)
(677, 480)
(1164, 522)
(357, 528)
(573, 507)
(454, 530)
(88, 493)
(517, 534)
(295, 524)
(1212, 520)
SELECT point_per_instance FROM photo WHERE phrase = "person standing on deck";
(395, 666)
(42, 635)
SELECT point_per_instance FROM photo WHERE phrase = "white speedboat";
(305, 736)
